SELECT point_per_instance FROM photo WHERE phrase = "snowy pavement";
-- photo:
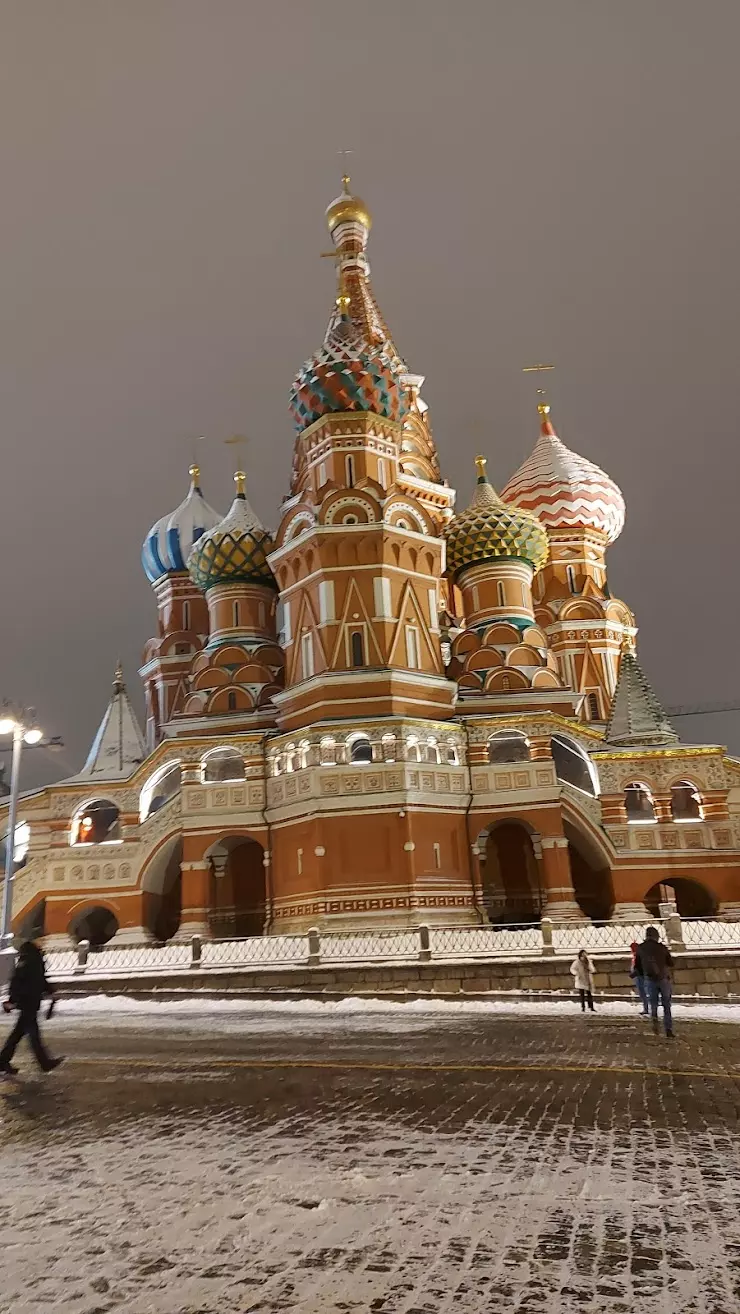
(405, 1159)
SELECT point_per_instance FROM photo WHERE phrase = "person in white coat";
(583, 972)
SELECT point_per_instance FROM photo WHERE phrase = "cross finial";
(345, 170)
(480, 465)
(543, 406)
(194, 467)
(239, 443)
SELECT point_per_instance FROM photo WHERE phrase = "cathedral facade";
(388, 711)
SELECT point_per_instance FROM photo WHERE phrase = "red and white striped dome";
(565, 490)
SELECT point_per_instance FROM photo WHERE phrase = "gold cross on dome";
(543, 406)
(194, 445)
(239, 443)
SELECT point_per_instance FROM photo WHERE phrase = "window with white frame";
(159, 789)
(307, 655)
(412, 647)
(222, 764)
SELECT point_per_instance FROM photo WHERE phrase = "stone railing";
(414, 944)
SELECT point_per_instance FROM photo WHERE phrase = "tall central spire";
(349, 223)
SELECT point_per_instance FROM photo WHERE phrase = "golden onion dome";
(347, 209)
(489, 530)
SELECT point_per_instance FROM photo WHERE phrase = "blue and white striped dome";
(167, 545)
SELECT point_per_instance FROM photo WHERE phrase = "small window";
(223, 764)
(350, 469)
(236, 615)
(186, 615)
(159, 789)
(453, 757)
(638, 803)
(182, 649)
(361, 750)
(382, 476)
(322, 474)
(501, 593)
(412, 750)
(357, 644)
(594, 712)
(231, 701)
(437, 857)
(432, 751)
(571, 576)
(508, 746)
(412, 647)
(299, 861)
(307, 655)
(573, 765)
(98, 822)
(686, 802)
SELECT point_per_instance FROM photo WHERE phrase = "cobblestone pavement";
(405, 1163)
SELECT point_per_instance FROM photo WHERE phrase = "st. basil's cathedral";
(388, 711)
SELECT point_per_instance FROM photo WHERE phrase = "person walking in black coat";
(28, 986)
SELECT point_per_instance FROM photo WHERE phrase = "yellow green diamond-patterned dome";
(235, 550)
(489, 530)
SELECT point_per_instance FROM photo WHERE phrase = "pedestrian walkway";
(401, 1163)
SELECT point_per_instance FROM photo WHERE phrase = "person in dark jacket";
(28, 986)
(653, 962)
(639, 980)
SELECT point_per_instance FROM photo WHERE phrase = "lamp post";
(21, 726)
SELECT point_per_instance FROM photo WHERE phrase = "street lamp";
(22, 727)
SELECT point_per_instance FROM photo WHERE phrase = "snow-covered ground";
(147, 1179)
(365, 1010)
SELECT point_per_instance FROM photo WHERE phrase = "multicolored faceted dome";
(167, 545)
(489, 530)
(348, 374)
(235, 550)
(565, 490)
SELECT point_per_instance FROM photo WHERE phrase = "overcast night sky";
(549, 179)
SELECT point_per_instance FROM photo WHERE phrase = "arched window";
(304, 749)
(159, 789)
(358, 648)
(571, 574)
(186, 615)
(231, 701)
(291, 758)
(360, 750)
(432, 751)
(508, 746)
(412, 750)
(500, 593)
(236, 615)
(638, 803)
(453, 756)
(350, 469)
(98, 822)
(222, 764)
(686, 802)
(573, 765)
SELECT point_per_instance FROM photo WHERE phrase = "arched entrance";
(510, 877)
(162, 891)
(691, 898)
(94, 923)
(590, 874)
(238, 891)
